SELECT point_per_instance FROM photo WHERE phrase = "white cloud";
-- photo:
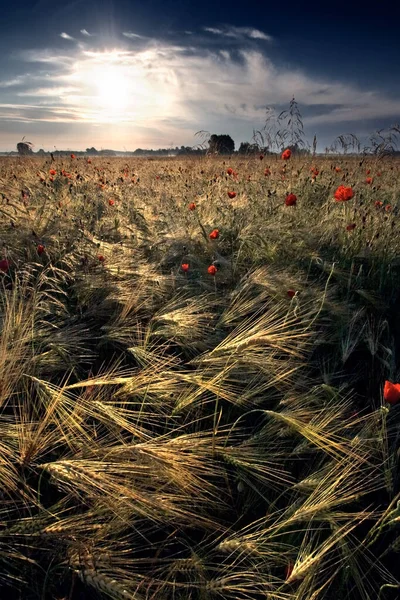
(66, 36)
(47, 55)
(49, 91)
(172, 91)
(86, 33)
(11, 82)
(213, 30)
(131, 35)
(258, 35)
(239, 32)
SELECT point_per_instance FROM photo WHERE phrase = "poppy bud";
(4, 265)
(290, 200)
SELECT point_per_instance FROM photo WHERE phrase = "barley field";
(195, 359)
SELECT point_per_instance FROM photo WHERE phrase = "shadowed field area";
(195, 416)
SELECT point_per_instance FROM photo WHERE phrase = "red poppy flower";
(51, 179)
(89, 161)
(391, 392)
(338, 169)
(185, 267)
(230, 171)
(261, 156)
(101, 258)
(53, 172)
(388, 207)
(343, 193)
(4, 265)
(212, 270)
(232, 194)
(267, 172)
(40, 249)
(351, 227)
(286, 154)
(368, 171)
(378, 204)
(73, 156)
(111, 202)
(369, 180)
(291, 293)
(291, 200)
(192, 206)
(214, 234)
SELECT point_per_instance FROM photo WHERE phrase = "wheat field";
(186, 416)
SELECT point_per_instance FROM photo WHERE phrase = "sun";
(118, 86)
(104, 82)
(111, 88)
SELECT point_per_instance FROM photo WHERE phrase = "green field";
(190, 433)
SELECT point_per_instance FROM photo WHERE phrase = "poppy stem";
(232, 262)
(202, 228)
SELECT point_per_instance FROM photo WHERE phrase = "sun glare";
(116, 87)
(112, 89)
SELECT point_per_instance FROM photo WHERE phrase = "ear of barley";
(106, 585)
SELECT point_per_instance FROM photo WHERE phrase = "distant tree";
(107, 152)
(296, 149)
(248, 148)
(190, 150)
(244, 148)
(91, 150)
(221, 144)
(24, 148)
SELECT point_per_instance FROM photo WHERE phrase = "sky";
(127, 74)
